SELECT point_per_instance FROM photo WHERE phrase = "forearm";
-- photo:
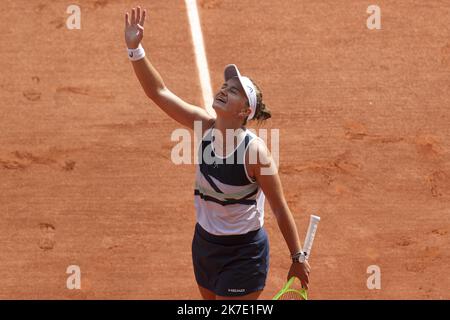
(286, 224)
(148, 76)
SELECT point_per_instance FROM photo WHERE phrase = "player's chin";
(217, 105)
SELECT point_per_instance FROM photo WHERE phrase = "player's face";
(231, 100)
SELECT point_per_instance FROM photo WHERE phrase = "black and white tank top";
(227, 200)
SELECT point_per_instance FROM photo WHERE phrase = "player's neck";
(223, 124)
(236, 130)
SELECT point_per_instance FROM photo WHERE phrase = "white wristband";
(136, 54)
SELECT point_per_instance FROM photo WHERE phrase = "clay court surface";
(86, 176)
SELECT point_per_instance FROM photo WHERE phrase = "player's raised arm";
(151, 80)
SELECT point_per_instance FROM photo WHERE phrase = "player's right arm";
(151, 80)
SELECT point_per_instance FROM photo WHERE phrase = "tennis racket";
(293, 290)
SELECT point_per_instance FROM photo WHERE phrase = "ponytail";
(262, 112)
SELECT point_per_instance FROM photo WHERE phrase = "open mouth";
(221, 99)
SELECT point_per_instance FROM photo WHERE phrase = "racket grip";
(309, 239)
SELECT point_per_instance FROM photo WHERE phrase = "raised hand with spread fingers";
(134, 28)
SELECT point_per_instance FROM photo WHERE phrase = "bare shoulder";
(258, 151)
(257, 157)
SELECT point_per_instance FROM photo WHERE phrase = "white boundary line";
(200, 55)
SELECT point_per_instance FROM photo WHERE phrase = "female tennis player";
(230, 249)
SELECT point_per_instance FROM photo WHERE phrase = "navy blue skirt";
(233, 265)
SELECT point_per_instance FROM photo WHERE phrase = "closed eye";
(234, 90)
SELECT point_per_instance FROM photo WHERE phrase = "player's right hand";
(134, 28)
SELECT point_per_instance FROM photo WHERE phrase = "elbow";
(150, 94)
(154, 94)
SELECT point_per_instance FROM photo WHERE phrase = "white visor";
(232, 71)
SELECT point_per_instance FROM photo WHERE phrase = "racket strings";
(291, 295)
